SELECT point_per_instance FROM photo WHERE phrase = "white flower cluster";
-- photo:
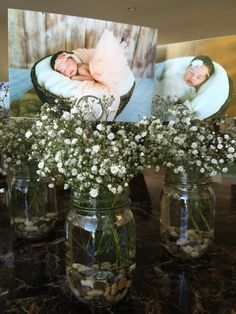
(92, 157)
(96, 157)
(15, 142)
(186, 145)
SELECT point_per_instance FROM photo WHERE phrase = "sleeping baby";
(102, 71)
(65, 64)
(183, 86)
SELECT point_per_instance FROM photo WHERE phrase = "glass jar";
(100, 248)
(33, 205)
(187, 215)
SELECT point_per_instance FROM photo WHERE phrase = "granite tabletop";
(32, 274)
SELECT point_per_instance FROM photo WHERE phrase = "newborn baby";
(65, 64)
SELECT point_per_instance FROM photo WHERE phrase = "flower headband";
(199, 63)
(60, 58)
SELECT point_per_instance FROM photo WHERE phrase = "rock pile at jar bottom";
(89, 288)
(34, 228)
(192, 244)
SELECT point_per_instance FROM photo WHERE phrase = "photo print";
(4, 98)
(64, 59)
(200, 74)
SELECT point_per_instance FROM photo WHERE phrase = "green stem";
(84, 247)
(204, 220)
(193, 220)
(117, 245)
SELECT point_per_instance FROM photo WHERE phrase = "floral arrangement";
(92, 157)
(15, 145)
(88, 153)
(191, 151)
(183, 144)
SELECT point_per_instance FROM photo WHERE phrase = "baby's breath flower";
(93, 193)
(111, 136)
(184, 144)
(90, 157)
(28, 134)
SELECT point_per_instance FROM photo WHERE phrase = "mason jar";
(187, 215)
(100, 248)
(33, 205)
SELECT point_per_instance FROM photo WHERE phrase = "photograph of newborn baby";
(104, 59)
(198, 74)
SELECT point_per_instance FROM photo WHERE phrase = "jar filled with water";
(100, 248)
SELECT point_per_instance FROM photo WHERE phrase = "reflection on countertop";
(32, 274)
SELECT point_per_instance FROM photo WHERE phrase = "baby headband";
(199, 63)
(60, 58)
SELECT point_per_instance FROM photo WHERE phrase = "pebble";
(114, 288)
(203, 246)
(88, 282)
(21, 227)
(29, 223)
(187, 249)
(173, 234)
(92, 289)
(194, 253)
(33, 228)
(17, 220)
(81, 268)
(122, 283)
(51, 215)
(106, 266)
(192, 234)
(107, 290)
(181, 242)
(94, 293)
(129, 283)
(193, 246)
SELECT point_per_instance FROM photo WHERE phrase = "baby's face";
(67, 67)
(195, 76)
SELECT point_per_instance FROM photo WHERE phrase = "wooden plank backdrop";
(16, 39)
(220, 49)
(33, 35)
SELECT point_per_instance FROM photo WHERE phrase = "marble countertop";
(32, 274)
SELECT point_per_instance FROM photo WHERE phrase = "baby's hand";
(74, 77)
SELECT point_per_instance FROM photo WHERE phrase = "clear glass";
(100, 248)
(187, 215)
(33, 205)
